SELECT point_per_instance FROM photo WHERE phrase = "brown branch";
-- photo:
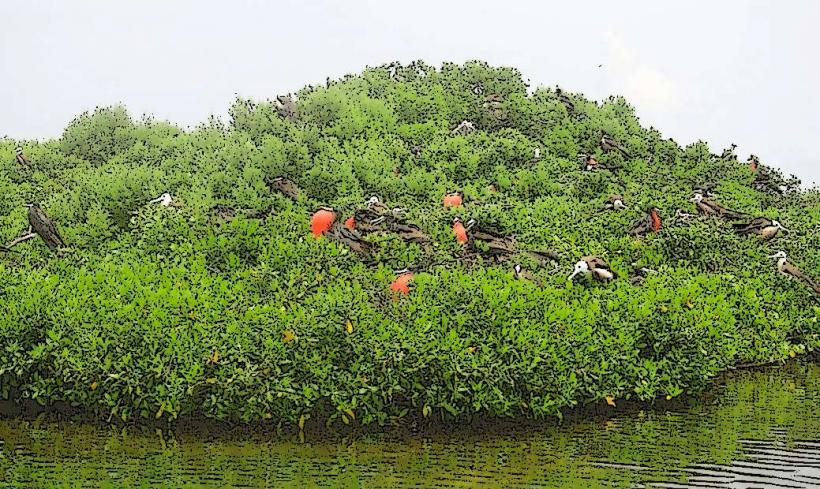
(17, 241)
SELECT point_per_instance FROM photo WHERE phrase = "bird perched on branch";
(401, 284)
(409, 233)
(20, 157)
(165, 200)
(590, 163)
(466, 127)
(478, 88)
(609, 144)
(454, 199)
(43, 225)
(762, 226)
(323, 223)
(592, 265)
(709, 207)
(564, 99)
(647, 224)
(460, 231)
(497, 244)
(520, 274)
(729, 153)
(786, 268)
(494, 244)
(754, 162)
(615, 202)
(286, 107)
(286, 186)
(339, 233)
(223, 212)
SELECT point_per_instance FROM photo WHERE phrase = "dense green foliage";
(165, 312)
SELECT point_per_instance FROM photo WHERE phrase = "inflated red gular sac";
(322, 221)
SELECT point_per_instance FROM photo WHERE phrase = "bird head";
(618, 204)
(456, 220)
(517, 269)
(372, 201)
(470, 224)
(778, 255)
(18, 150)
(403, 271)
(697, 197)
(398, 212)
(779, 226)
(580, 267)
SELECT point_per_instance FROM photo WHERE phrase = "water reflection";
(759, 429)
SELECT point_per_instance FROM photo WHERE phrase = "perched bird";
(453, 199)
(366, 221)
(322, 221)
(598, 268)
(707, 189)
(762, 226)
(165, 200)
(729, 153)
(608, 144)
(401, 284)
(223, 212)
(43, 225)
(286, 186)
(786, 268)
(20, 157)
(564, 99)
(409, 232)
(286, 107)
(754, 162)
(497, 246)
(339, 233)
(649, 223)
(590, 163)
(615, 202)
(466, 127)
(709, 207)
(478, 88)
(638, 274)
(376, 205)
(496, 243)
(520, 274)
(459, 231)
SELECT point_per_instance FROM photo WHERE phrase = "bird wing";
(797, 273)
(595, 262)
(756, 224)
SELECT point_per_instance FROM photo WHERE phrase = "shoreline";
(415, 426)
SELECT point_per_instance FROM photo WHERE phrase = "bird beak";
(572, 276)
(772, 256)
(784, 229)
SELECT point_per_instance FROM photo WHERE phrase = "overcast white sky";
(723, 71)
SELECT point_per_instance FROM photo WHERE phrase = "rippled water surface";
(758, 429)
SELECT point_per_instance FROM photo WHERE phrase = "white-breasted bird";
(592, 265)
(709, 207)
(165, 200)
(786, 268)
(762, 226)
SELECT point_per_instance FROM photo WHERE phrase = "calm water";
(759, 429)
